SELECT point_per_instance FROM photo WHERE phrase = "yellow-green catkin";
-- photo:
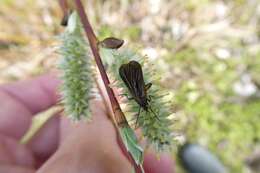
(157, 132)
(76, 73)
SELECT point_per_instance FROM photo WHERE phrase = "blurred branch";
(64, 6)
(94, 47)
(120, 117)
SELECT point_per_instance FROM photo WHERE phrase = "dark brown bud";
(64, 21)
(111, 43)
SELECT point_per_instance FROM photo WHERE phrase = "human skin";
(61, 146)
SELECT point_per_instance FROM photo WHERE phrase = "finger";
(13, 153)
(45, 142)
(15, 119)
(19, 100)
(36, 94)
(17, 103)
(154, 164)
(14, 168)
(88, 147)
(98, 115)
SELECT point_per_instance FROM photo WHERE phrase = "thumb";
(88, 147)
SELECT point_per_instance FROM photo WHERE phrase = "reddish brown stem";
(119, 116)
(94, 47)
(64, 6)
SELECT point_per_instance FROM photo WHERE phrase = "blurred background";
(207, 50)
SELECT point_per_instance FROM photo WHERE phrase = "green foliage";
(104, 32)
(253, 65)
(192, 4)
(7, 2)
(76, 71)
(131, 144)
(208, 114)
(157, 132)
(132, 32)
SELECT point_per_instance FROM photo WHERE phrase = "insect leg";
(155, 114)
(149, 98)
(148, 86)
(141, 116)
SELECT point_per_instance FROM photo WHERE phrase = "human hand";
(60, 146)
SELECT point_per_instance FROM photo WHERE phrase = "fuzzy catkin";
(157, 132)
(75, 66)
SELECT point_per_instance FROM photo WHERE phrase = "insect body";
(132, 75)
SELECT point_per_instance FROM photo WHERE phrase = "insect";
(132, 75)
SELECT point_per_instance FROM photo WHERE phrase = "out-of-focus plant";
(77, 77)
(155, 123)
(76, 67)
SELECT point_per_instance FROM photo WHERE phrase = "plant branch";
(105, 99)
(64, 6)
(121, 120)
(118, 114)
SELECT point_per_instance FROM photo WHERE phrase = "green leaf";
(131, 143)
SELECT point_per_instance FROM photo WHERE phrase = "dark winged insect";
(132, 75)
(111, 43)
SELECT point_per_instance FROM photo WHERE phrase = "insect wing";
(132, 76)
